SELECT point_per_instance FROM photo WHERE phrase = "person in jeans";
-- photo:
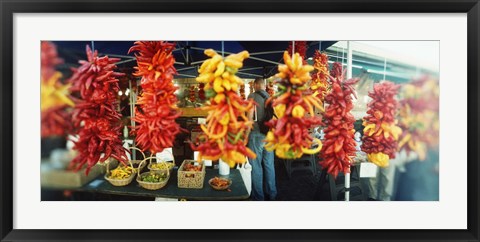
(263, 164)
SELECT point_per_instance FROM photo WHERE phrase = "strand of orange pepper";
(157, 110)
(288, 134)
(380, 134)
(226, 132)
(320, 77)
(339, 144)
(418, 116)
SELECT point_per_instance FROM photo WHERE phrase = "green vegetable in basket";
(154, 177)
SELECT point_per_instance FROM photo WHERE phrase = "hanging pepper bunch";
(381, 133)
(320, 77)
(250, 85)
(226, 133)
(288, 134)
(339, 144)
(54, 95)
(418, 116)
(337, 70)
(242, 91)
(55, 98)
(201, 92)
(191, 94)
(95, 114)
(49, 59)
(157, 109)
(270, 88)
(300, 48)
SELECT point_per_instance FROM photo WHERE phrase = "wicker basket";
(190, 179)
(156, 169)
(119, 182)
(137, 161)
(152, 185)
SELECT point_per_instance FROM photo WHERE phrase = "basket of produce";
(162, 165)
(191, 174)
(136, 163)
(153, 179)
(120, 176)
(219, 183)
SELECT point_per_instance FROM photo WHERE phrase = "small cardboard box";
(63, 179)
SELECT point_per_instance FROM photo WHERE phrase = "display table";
(237, 190)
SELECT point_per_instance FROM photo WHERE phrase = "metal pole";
(347, 187)
(293, 48)
(93, 45)
(226, 52)
(349, 75)
(132, 114)
(385, 68)
(349, 60)
(267, 52)
(223, 49)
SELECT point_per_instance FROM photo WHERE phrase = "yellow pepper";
(280, 110)
(298, 111)
(380, 159)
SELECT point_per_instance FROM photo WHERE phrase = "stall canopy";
(263, 61)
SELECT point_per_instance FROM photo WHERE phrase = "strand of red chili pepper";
(380, 133)
(95, 115)
(156, 111)
(419, 116)
(55, 121)
(300, 48)
(339, 144)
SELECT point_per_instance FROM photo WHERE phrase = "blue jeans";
(265, 158)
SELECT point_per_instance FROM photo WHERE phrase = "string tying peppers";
(339, 144)
(225, 135)
(156, 108)
(288, 134)
(380, 134)
(95, 114)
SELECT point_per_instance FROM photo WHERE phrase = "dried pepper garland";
(320, 77)
(242, 91)
(418, 116)
(270, 88)
(380, 134)
(201, 92)
(337, 70)
(300, 48)
(288, 134)
(339, 144)
(95, 114)
(54, 95)
(157, 110)
(226, 132)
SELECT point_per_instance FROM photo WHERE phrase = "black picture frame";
(9, 7)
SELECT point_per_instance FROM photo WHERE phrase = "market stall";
(145, 118)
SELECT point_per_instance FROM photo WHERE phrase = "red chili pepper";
(339, 145)
(97, 84)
